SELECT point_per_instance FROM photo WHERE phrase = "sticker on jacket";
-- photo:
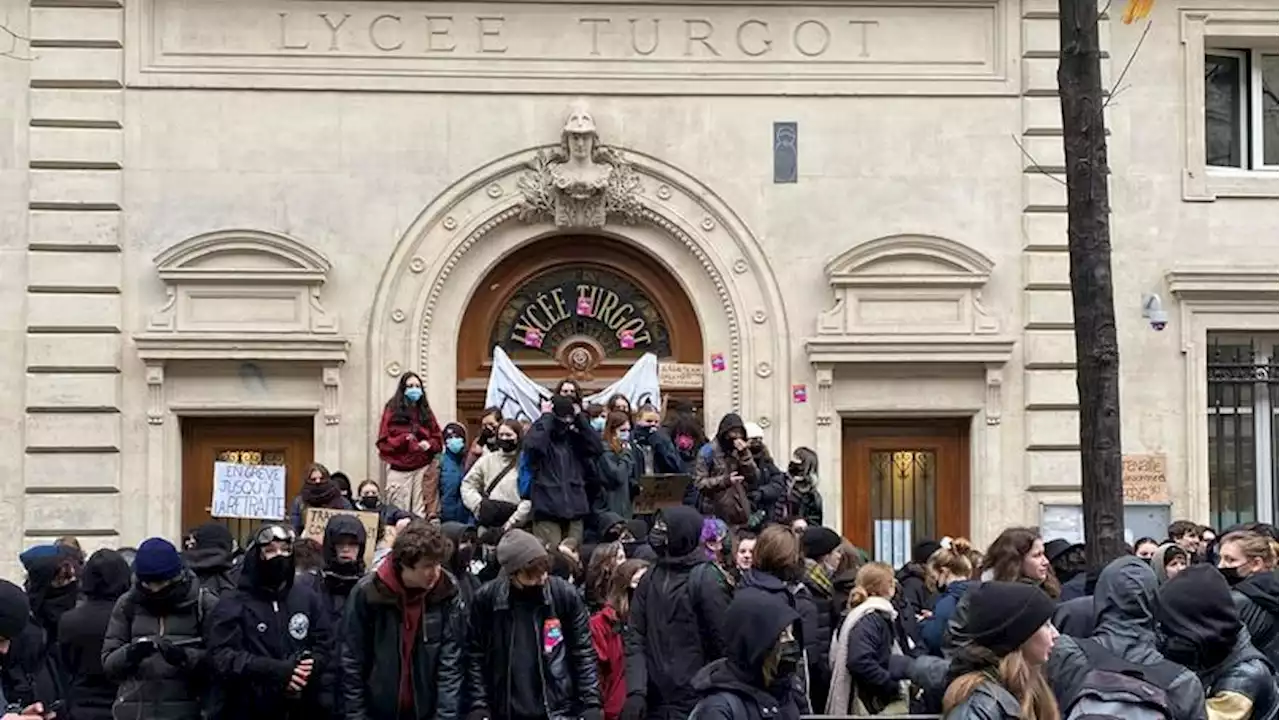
(299, 624)
(552, 635)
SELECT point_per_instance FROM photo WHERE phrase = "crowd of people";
(512, 579)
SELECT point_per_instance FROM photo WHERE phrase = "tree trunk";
(1089, 243)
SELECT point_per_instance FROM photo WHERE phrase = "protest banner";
(316, 519)
(248, 491)
(658, 492)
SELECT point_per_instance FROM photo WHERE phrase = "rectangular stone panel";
(1044, 191)
(1053, 468)
(1043, 152)
(1048, 307)
(1046, 269)
(54, 311)
(70, 228)
(53, 352)
(50, 431)
(1045, 230)
(1049, 348)
(72, 511)
(76, 270)
(1041, 114)
(1051, 388)
(76, 67)
(1054, 428)
(74, 106)
(96, 470)
(76, 146)
(73, 391)
(77, 24)
(1040, 34)
(766, 48)
(72, 187)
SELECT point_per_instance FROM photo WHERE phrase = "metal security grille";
(1242, 412)
(903, 502)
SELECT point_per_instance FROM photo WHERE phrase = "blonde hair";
(956, 560)
(1025, 683)
(1253, 545)
(873, 579)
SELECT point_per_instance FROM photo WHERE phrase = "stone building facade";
(228, 226)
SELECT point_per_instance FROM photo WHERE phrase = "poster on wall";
(1067, 521)
(248, 491)
(520, 398)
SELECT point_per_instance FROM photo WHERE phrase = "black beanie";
(213, 535)
(14, 610)
(820, 541)
(924, 550)
(1003, 615)
(1196, 606)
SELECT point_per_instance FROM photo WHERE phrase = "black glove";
(634, 708)
(478, 714)
(171, 653)
(139, 650)
(592, 714)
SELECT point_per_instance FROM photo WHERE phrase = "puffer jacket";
(570, 683)
(1257, 600)
(154, 688)
(989, 701)
(1124, 605)
(717, 461)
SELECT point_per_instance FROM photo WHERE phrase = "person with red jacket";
(409, 438)
(606, 636)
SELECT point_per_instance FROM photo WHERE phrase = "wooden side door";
(253, 441)
(904, 483)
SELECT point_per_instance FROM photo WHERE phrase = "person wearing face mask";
(409, 438)
(487, 440)
(319, 491)
(685, 430)
(343, 557)
(1248, 562)
(619, 469)
(801, 497)
(271, 639)
(402, 642)
(155, 641)
(755, 680)
(529, 644)
(209, 557)
(491, 488)
(725, 471)
(90, 694)
(452, 469)
(562, 451)
(30, 672)
(770, 483)
(656, 450)
(465, 563)
(598, 417)
(51, 585)
(1202, 631)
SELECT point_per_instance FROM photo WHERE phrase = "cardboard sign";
(680, 375)
(248, 491)
(658, 492)
(799, 395)
(317, 518)
(1146, 479)
(717, 362)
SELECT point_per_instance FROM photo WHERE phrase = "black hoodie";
(1256, 598)
(211, 559)
(735, 686)
(460, 560)
(717, 462)
(90, 694)
(677, 613)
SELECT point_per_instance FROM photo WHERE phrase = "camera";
(1153, 311)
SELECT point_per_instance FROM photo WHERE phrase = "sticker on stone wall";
(627, 340)
(799, 394)
(717, 362)
(584, 305)
(533, 338)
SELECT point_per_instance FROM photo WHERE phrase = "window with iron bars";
(1243, 420)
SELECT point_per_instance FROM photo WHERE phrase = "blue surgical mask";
(624, 435)
(597, 424)
(413, 394)
(454, 445)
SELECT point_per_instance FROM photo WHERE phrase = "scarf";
(321, 495)
(817, 574)
(412, 604)
(843, 698)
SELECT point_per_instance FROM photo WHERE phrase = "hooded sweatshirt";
(105, 578)
(1256, 598)
(1160, 560)
(747, 678)
(210, 559)
(1124, 615)
(717, 462)
(43, 564)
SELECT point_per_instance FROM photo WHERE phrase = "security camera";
(1153, 311)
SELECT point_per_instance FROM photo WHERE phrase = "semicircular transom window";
(580, 315)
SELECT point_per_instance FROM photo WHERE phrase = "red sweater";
(611, 659)
(398, 440)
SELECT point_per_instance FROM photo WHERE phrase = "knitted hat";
(14, 610)
(517, 549)
(1003, 615)
(924, 550)
(213, 535)
(157, 561)
(820, 541)
(453, 429)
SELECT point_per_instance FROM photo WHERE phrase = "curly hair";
(420, 540)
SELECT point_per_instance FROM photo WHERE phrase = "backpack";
(1115, 687)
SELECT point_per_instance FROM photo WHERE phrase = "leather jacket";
(1244, 672)
(989, 701)
(569, 678)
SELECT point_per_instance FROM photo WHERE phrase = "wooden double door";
(904, 482)
(286, 441)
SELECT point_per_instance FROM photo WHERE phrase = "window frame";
(1243, 112)
(1257, 132)
(1262, 414)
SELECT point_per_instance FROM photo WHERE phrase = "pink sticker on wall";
(627, 339)
(533, 338)
(584, 305)
(799, 394)
(717, 362)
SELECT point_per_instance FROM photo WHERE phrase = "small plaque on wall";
(786, 149)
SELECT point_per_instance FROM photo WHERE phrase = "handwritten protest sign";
(248, 491)
(658, 492)
(680, 375)
(317, 518)
(1146, 479)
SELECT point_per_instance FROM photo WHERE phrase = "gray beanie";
(517, 549)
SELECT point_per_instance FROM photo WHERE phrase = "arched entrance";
(595, 304)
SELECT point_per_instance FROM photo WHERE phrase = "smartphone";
(52, 710)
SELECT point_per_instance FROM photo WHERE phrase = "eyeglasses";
(273, 533)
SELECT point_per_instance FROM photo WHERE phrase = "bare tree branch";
(1137, 46)
(14, 41)
(1034, 163)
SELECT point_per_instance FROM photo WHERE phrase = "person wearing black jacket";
(29, 671)
(529, 650)
(914, 589)
(1202, 631)
(210, 557)
(770, 483)
(465, 543)
(401, 638)
(154, 642)
(15, 613)
(343, 552)
(677, 613)
(757, 677)
(1248, 561)
(562, 451)
(90, 693)
(270, 639)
